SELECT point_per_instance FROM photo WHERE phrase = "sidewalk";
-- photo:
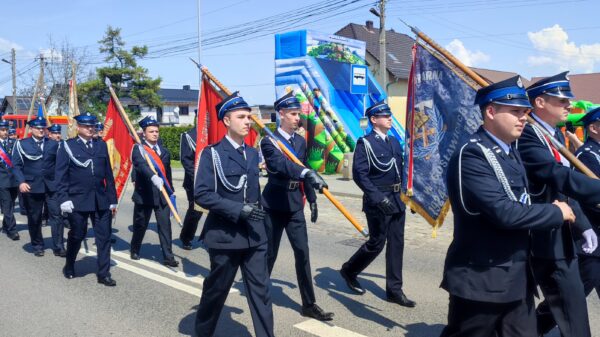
(337, 185)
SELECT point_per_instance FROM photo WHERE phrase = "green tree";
(128, 78)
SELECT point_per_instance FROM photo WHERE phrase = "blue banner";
(440, 117)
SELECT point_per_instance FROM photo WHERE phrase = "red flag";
(209, 129)
(119, 143)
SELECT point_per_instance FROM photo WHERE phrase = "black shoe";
(314, 311)
(135, 256)
(401, 299)
(60, 252)
(38, 253)
(352, 282)
(107, 281)
(14, 237)
(171, 263)
(68, 273)
(186, 245)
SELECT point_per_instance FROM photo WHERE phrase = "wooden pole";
(479, 80)
(290, 155)
(139, 142)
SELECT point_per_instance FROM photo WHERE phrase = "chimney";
(186, 87)
(369, 25)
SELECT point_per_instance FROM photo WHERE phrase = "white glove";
(591, 241)
(67, 207)
(112, 207)
(157, 181)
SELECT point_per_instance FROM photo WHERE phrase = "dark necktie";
(511, 155)
(39, 144)
(155, 148)
(241, 152)
(88, 144)
(291, 140)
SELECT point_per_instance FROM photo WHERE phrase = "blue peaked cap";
(288, 101)
(508, 92)
(86, 119)
(379, 109)
(99, 126)
(591, 116)
(4, 124)
(557, 86)
(38, 122)
(12, 131)
(146, 122)
(55, 128)
(231, 103)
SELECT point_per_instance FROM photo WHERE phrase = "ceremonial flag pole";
(479, 80)
(139, 142)
(73, 104)
(289, 154)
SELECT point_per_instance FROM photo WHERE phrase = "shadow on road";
(226, 327)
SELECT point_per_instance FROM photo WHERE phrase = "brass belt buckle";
(293, 185)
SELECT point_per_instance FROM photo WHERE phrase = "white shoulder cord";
(190, 141)
(85, 164)
(539, 134)
(22, 153)
(498, 172)
(219, 172)
(372, 158)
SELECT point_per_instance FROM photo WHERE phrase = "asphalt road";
(153, 300)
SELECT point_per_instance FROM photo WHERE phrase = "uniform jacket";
(30, 171)
(145, 193)
(487, 259)
(549, 181)
(589, 154)
(50, 151)
(7, 177)
(223, 228)
(89, 190)
(369, 178)
(187, 155)
(277, 195)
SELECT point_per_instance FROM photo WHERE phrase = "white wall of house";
(170, 117)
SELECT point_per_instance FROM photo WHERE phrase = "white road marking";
(150, 275)
(322, 329)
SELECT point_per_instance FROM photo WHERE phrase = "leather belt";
(390, 188)
(289, 184)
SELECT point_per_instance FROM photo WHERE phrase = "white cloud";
(466, 56)
(6, 45)
(558, 52)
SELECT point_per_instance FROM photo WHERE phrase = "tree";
(128, 78)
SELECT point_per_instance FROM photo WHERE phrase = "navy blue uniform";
(187, 155)
(589, 264)
(486, 270)
(29, 167)
(283, 199)
(55, 219)
(553, 252)
(232, 243)
(85, 178)
(377, 185)
(8, 192)
(148, 198)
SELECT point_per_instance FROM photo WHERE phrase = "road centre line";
(322, 329)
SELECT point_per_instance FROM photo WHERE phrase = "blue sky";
(531, 37)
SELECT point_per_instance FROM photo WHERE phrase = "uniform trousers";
(382, 228)
(564, 297)
(78, 231)
(34, 203)
(467, 318)
(7, 204)
(224, 265)
(191, 219)
(294, 225)
(141, 218)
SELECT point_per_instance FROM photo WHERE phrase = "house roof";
(178, 95)
(398, 46)
(497, 76)
(584, 86)
(23, 103)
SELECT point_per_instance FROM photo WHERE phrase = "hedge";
(170, 137)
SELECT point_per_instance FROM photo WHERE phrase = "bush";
(170, 137)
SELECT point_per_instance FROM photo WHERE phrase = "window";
(184, 110)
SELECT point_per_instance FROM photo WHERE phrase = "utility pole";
(13, 61)
(382, 46)
(380, 13)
